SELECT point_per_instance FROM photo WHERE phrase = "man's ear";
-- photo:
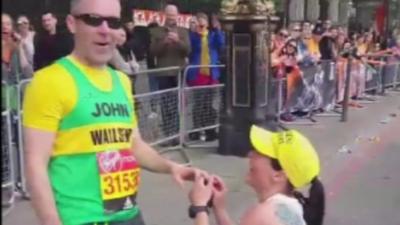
(71, 23)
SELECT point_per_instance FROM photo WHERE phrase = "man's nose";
(104, 27)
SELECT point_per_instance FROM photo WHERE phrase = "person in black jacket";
(327, 45)
(52, 43)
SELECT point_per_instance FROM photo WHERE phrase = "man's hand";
(216, 25)
(17, 39)
(201, 191)
(181, 174)
(173, 36)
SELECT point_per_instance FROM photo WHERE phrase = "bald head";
(76, 6)
(94, 24)
(170, 8)
(171, 15)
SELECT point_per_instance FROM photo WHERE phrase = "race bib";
(119, 179)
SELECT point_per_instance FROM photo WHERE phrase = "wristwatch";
(193, 210)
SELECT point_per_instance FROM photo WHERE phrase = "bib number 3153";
(119, 179)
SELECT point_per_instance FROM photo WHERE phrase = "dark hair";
(47, 11)
(314, 205)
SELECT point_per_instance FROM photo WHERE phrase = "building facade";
(338, 11)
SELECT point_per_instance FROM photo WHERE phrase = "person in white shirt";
(125, 62)
(26, 35)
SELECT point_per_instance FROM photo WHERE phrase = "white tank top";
(289, 203)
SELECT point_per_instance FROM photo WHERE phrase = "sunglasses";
(96, 21)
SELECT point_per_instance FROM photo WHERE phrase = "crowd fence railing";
(201, 106)
(159, 113)
(306, 90)
(21, 183)
(167, 116)
(8, 159)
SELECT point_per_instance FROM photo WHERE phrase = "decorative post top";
(254, 9)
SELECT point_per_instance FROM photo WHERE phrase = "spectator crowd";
(293, 49)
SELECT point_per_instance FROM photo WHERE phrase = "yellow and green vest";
(93, 174)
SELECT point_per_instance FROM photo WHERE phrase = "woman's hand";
(219, 191)
(201, 191)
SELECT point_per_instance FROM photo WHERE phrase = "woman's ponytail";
(314, 205)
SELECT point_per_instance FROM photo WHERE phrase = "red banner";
(380, 17)
(144, 17)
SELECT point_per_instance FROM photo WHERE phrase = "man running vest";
(93, 174)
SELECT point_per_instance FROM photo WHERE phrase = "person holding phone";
(15, 65)
(170, 47)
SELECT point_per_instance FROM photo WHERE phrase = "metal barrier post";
(7, 185)
(151, 107)
(366, 99)
(185, 116)
(180, 148)
(333, 112)
(345, 104)
(281, 110)
(396, 78)
(21, 148)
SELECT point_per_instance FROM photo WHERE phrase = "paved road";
(362, 184)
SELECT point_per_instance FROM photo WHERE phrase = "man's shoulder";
(51, 71)
(124, 79)
(122, 76)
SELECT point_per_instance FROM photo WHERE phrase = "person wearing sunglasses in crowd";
(279, 163)
(279, 40)
(83, 148)
(14, 62)
(285, 64)
(27, 36)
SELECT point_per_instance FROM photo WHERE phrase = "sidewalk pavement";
(163, 203)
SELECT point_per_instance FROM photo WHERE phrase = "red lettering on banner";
(145, 17)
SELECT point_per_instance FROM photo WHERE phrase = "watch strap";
(194, 210)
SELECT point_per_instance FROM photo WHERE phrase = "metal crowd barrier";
(329, 78)
(8, 167)
(391, 76)
(175, 112)
(313, 89)
(159, 112)
(372, 75)
(201, 106)
(373, 78)
(21, 184)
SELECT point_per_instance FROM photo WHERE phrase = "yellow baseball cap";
(294, 152)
